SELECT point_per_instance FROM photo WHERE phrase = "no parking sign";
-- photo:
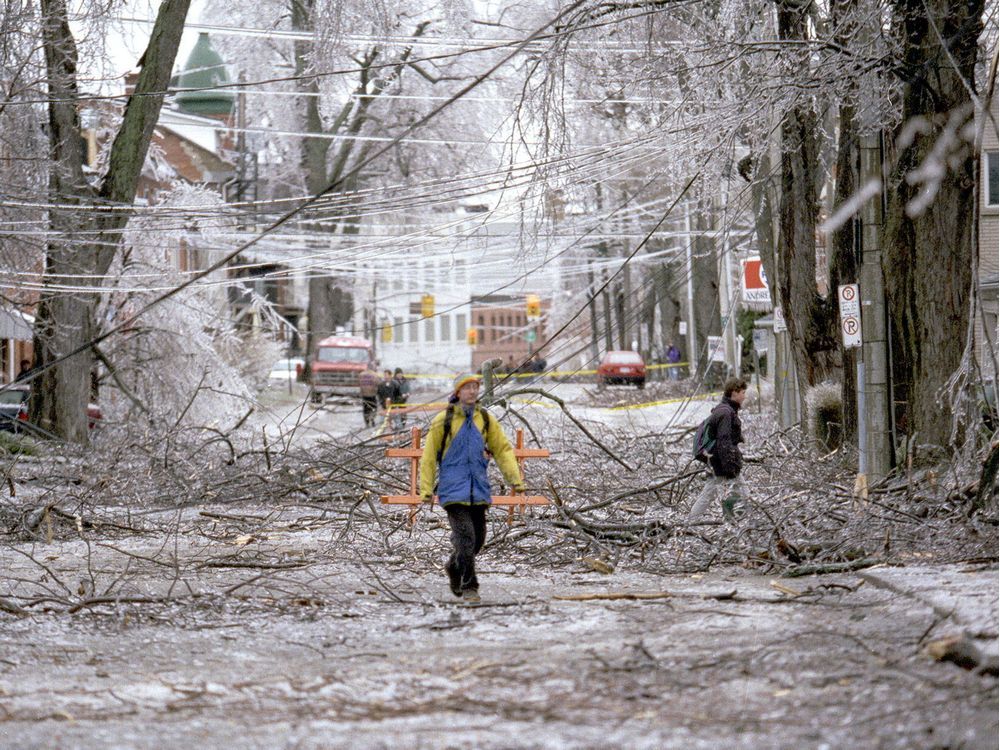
(848, 296)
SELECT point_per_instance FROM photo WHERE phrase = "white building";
(451, 257)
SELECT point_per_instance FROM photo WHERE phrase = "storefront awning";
(15, 324)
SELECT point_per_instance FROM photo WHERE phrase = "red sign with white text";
(753, 282)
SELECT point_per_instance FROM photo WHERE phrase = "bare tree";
(65, 322)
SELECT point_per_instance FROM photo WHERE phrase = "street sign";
(753, 282)
(760, 341)
(716, 351)
(849, 299)
(682, 329)
(779, 320)
(529, 336)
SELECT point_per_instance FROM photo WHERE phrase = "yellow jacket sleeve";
(503, 454)
(428, 461)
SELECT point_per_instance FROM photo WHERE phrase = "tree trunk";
(807, 314)
(844, 257)
(845, 240)
(929, 231)
(329, 304)
(65, 322)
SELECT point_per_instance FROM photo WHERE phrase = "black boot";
(454, 578)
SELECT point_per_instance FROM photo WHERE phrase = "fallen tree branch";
(574, 420)
(614, 595)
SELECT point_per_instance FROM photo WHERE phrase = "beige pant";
(717, 488)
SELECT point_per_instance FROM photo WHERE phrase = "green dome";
(204, 68)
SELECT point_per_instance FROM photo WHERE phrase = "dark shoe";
(454, 579)
(733, 507)
(471, 596)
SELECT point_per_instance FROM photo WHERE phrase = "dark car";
(622, 367)
(14, 409)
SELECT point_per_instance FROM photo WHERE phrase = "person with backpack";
(403, 390)
(453, 464)
(717, 443)
(388, 393)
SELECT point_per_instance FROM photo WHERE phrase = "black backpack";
(704, 440)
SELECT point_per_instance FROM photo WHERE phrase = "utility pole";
(874, 435)
(374, 316)
(624, 304)
(594, 353)
(241, 141)
(692, 339)
(726, 306)
(606, 299)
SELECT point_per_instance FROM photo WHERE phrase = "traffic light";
(533, 306)
(386, 333)
(472, 337)
(427, 305)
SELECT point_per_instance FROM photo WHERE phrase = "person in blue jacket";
(454, 462)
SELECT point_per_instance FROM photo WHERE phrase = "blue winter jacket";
(462, 478)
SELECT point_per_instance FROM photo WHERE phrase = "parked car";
(14, 409)
(624, 367)
(285, 370)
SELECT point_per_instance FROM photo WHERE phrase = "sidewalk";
(965, 597)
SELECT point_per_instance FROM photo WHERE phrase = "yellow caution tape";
(699, 397)
(551, 374)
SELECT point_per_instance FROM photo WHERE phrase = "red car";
(622, 367)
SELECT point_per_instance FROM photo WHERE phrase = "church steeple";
(204, 68)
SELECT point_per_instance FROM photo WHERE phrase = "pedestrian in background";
(388, 393)
(454, 465)
(725, 458)
(402, 391)
(368, 385)
(673, 358)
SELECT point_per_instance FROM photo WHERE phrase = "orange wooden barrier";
(511, 502)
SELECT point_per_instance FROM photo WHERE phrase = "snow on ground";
(219, 602)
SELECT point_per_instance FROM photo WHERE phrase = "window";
(397, 330)
(460, 327)
(992, 177)
(446, 328)
(411, 332)
(428, 329)
(342, 354)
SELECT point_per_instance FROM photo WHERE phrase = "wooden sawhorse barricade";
(512, 502)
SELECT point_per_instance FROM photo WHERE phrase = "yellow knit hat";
(466, 377)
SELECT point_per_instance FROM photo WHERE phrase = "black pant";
(468, 533)
(368, 406)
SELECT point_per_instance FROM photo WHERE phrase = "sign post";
(849, 298)
(849, 301)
